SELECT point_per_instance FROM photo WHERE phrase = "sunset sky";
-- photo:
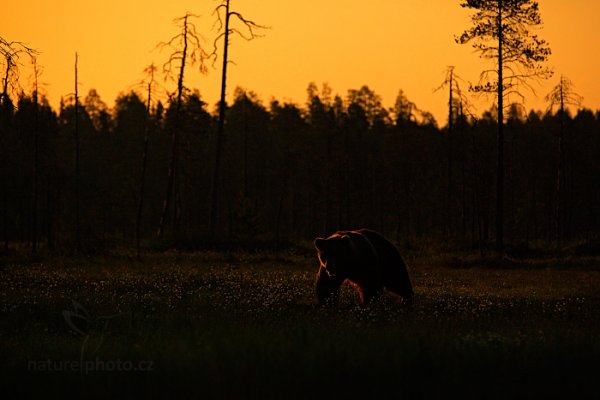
(385, 44)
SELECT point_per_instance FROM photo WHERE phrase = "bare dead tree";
(465, 109)
(77, 222)
(10, 55)
(34, 222)
(76, 184)
(457, 104)
(187, 49)
(562, 95)
(10, 65)
(150, 71)
(449, 82)
(225, 29)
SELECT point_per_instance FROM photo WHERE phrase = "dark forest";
(292, 172)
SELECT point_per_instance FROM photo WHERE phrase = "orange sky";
(385, 44)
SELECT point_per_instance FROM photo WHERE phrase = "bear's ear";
(320, 243)
(347, 240)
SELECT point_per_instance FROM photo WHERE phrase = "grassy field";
(240, 325)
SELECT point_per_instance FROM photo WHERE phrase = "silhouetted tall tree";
(501, 32)
(150, 70)
(562, 95)
(457, 102)
(34, 212)
(9, 59)
(449, 82)
(226, 31)
(187, 48)
(77, 222)
(10, 55)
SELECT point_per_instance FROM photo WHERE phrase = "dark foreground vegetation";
(246, 325)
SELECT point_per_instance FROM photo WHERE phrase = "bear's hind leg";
(403, 289)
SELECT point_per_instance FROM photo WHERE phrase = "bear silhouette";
(364, 258)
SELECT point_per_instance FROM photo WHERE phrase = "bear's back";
(384, 248)
(391, 266)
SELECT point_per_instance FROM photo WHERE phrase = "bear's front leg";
(368, 294)
(328, 287)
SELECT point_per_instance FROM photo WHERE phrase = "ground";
(241, 325)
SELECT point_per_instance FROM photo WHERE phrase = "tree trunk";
(5, 86)
(220, 129)
(463, 173)
(77, 225)
(50, 210)
(34, 221)
(280, 210)
(5, 217)
(449, 143)
(560, 173)
(245, 186)
(3, 100)
(138, 221)
(500, 172)
(174, 137)
(327, 184)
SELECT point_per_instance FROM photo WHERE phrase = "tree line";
(250, 173)
(291, 172)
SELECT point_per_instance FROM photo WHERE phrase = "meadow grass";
(246, 325)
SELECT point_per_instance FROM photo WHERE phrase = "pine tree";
(502, 32)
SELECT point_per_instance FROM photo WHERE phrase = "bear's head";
(335, 254)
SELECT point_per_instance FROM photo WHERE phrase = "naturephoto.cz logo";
(89, 366)
(92, 331)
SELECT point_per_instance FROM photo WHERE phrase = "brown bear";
(364, 258)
